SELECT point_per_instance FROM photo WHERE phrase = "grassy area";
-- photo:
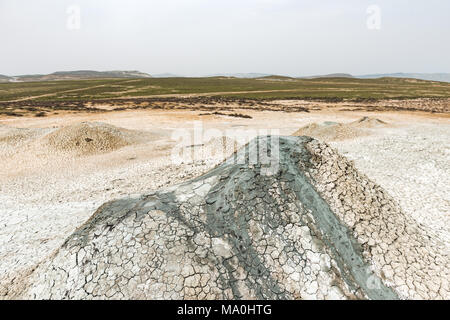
(265, 88)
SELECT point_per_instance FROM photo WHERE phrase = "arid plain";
(58, 168)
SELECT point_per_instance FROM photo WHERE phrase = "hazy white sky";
(199, 37)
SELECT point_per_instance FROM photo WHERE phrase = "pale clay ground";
(240, 232)
(44, 198)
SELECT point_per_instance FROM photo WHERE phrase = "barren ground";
(46, 195)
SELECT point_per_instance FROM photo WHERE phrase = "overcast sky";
(200, 37)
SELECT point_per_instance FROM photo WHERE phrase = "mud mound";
(330, 131)
(13, 135)
(15, 140)
(17, 136)
(334, 131)
(367, 122)
(89, 138)
(309, 226)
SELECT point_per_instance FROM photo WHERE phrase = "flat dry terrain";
(53, 177)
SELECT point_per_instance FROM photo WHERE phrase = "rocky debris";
(218, 113)
(368, 122)
(313, 229)
(434, 105)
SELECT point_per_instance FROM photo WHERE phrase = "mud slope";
(315, 229)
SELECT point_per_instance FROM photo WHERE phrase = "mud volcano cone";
(313, 229)
(88, 138)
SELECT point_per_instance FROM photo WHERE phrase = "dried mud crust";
(413, 167)
(236, 233)
(402, 252)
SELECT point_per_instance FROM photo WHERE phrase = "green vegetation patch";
(262, 88)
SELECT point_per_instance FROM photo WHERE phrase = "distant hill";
(5, 78)
(331, 75)
(79, 75)
(241, 75)
(444, 77)
(91, 74)
(275, 77)
(166, 75)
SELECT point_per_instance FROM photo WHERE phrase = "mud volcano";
(87, 138)
(315, 229)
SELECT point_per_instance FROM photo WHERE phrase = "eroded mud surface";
(314, 228)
